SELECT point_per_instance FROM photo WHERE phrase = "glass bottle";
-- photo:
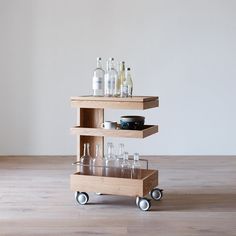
(98, 79)
(129, 82)
(110, 160)
(98, 163)
(110, 78)
(122, 78)
(117, 81)
(136, 167)
(86, 161)
(124, 85)
(119, 159)
(125, 166)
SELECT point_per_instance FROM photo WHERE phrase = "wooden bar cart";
(90, 116)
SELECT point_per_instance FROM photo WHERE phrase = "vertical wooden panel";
(90, 118)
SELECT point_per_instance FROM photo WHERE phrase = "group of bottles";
(111, 165)
(112, 82)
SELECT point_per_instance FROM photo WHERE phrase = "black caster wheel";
(156, 194)
(137, 201)
(82, 198)
(144, 204)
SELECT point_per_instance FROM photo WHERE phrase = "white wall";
(181, 50)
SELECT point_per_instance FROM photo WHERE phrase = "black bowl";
(132, 122)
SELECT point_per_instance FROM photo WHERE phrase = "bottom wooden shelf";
(115, 186)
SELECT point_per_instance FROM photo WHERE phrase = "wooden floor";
(199, 199)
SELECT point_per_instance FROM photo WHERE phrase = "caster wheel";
(137, 201)
(82, 198)
(156, 194)
(144, 204)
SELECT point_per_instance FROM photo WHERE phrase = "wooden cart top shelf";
(136, 102)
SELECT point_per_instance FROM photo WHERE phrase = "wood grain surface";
(199, 199)
(136, 102)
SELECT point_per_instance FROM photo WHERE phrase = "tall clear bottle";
(125, 166)
(122, 78)
(86, 161)
(129, 83)
(110, 160)
(136, 167)
(98, 79)
(98, 163)
(119, 159)
(110, 78)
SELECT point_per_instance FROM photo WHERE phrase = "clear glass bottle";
(124, 85)
(98, 79)
(136, 167)
(119, 159)
(122, 78)
(117, 81)
(98, 163)
(110, 160)
(129, 82)
(125, 166)
(86, 161)
(110, 78)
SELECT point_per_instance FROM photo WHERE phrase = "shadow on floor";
(196, 202)
(174, 202)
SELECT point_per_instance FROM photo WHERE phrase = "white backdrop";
(181, 50)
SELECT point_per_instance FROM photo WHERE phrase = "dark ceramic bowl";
(132, 122)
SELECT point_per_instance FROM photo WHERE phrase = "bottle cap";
(128, 68)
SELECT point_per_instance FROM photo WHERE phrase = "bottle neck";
(85, 149)
(122, 66)
(99, 63)
(97, 151)
(88, 152)
(136, 157)
(112, 66)
(128, 73)
(126, 156)
(108, 66)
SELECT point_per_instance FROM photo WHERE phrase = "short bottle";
(129, 83)
(110, 78)
(125, 166)
(136, 167)
(98, 163)
(98, 79)
(86, 161)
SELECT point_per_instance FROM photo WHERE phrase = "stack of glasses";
(111, 165)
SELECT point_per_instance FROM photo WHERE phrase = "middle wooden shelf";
(85, 131)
